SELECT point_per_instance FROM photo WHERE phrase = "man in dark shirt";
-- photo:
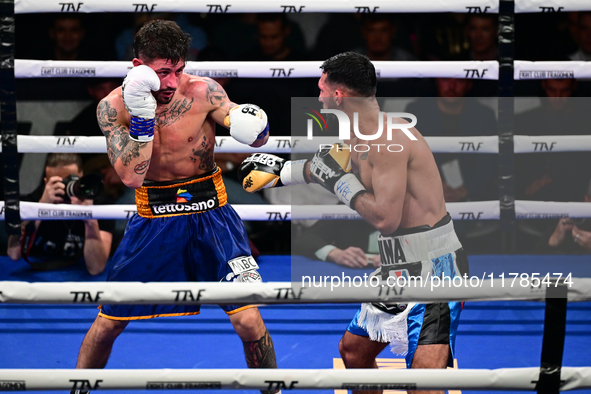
(47, 245)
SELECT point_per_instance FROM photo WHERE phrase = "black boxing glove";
(262, 170)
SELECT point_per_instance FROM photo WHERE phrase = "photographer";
(48, 245)
(572, 235)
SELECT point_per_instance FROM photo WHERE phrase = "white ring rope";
(318, 289)
(364, 6)
(524, 70)
(483, 210)
(305, 69)
(523, 379)
(361, 6)
(287, 145)
(472, 210)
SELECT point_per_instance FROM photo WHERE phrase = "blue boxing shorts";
(419, 251)
(184, 232)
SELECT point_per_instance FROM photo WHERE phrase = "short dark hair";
(162, 39)
(63, 159)
(352, 70)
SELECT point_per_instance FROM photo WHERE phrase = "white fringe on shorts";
(385, 327)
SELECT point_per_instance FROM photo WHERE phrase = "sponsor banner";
(550, 210)
(306, 69)
(363, 7)
(33, 211)
(525, 70)
(551, 143)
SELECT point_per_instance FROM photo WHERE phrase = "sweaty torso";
(184, 135)
(423, 202)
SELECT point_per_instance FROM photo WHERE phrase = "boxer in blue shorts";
(160, 132)
(392, 181)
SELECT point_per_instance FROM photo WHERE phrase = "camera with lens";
(582, 223)
(86, 188)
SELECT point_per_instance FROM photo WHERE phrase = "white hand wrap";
(347, 188)
(247, 123)
(139, 102)
(292, 172)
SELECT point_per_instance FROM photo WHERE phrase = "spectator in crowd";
(273, 31)
(238, 36)
(350, 244)
(572, 235)
(553, 176)
(85, 124)
(443, 36)
(583, 37)
(379, 36)
(67, 41)
(341, 33)
(465, 176)
(483, 35)
(124, 42)
(47, 245)
(379, 43)
(273, 94)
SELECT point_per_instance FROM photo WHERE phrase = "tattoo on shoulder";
(174, 112)
(118, 146)
(215, 93)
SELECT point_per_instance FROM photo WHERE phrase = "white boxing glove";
(139, 102)
(247, 123)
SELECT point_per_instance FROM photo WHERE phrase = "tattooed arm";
(130, 159)
(217, 98)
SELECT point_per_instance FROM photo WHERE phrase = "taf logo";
(315, 117)
(183, 196)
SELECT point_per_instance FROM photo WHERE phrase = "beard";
(329, 103)
(161, 98)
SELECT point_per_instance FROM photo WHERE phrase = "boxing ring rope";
(287, 145)
(507, 379)
(489, 70)
(472, 210)
(348, 290)
(480, 6)
(277, 69)
(522, 379)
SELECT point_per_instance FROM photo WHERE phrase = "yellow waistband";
(185, 197)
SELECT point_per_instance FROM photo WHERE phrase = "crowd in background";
(396, 37)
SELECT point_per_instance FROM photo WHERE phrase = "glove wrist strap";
(292, 173)
(141, 129)
(348, 188)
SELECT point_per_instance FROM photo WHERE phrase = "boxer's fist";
(331, 168)
(137, 91)
(260, 171)
(247, 123)
(139, 102)
(329, 164)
